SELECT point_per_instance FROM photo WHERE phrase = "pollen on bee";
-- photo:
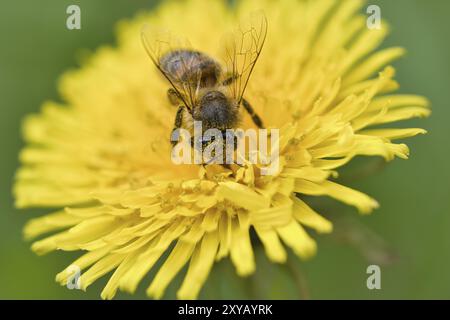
(232, 146)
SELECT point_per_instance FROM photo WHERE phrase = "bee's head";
(216, 110)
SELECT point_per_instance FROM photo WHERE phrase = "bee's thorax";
(215, 110)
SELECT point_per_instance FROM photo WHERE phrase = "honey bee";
(202, 88)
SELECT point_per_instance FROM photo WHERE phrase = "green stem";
(299, 278)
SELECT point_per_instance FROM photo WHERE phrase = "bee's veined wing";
(242, 49)
(159, 43)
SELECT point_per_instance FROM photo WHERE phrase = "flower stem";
(299, 278)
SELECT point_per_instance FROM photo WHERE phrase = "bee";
(202, 88)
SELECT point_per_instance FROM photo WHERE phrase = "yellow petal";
(242, 196)
(308, 217)
(364, 203)
(83, 262)
(393, 134)
(176, 260)
(373, 64)
(99, 269)
(241, 250)
(50, 222)
(113, 283)
(297, 238)
(199, 267)
(272, 245)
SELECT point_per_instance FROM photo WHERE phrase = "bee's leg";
(226, 149)
(225, 164)
(193, 147)
(173, 96)
(229, 80)
(256, 119)
(177, 125)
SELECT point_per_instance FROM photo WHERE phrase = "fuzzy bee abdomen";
(190, 67)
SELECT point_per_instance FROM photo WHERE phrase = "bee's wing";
(242, 49)
(157, 43)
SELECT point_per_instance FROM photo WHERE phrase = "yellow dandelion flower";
(104, 155)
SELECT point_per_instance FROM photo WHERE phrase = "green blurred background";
(408, 236)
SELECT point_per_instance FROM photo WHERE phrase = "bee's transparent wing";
(242, 49)
(158, 42)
